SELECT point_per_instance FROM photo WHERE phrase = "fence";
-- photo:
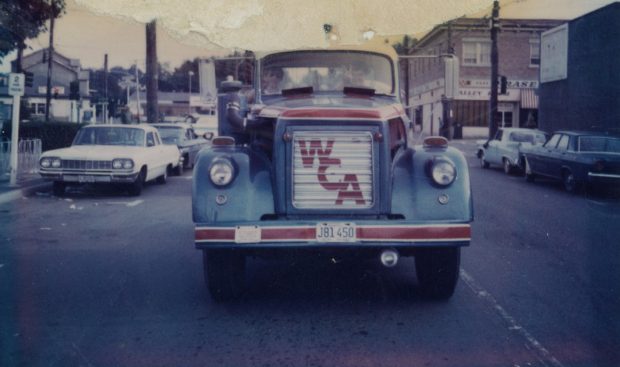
(28, 153)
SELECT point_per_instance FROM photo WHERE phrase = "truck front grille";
(332, 170)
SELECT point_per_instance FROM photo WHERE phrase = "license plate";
(247, 234)
(335, 232)
(86, 179)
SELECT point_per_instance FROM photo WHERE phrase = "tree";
(24, 19)
(405, 46)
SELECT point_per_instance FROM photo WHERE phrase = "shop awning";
(529, 99)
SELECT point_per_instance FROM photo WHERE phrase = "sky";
(83, 35)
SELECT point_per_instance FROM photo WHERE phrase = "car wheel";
(483, 162)
(507, 167)
(224, 272)
(178, 170)
(187, 163)
(437, 270)
(570, 183)
(163, 178)
(135, 189)
(529, 175)
(58, 188)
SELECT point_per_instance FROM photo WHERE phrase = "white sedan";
(505, 148)
(125, 154)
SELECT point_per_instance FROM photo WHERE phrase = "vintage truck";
(316, 158)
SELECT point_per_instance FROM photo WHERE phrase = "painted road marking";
(545, 356)
(127, 204)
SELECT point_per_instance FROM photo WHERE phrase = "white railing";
(28, 154)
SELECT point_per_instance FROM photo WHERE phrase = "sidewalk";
(26, 185)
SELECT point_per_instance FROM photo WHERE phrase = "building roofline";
(482, 24)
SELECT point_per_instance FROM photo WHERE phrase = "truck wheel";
(135, 188)
(224, 272)
(58, 188)
(438, 271)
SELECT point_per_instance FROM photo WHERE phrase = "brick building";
(450, 73)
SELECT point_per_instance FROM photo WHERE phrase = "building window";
(534, 53)
(37, 108)
(477, 53)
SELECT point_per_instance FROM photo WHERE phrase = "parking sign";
(16, 84)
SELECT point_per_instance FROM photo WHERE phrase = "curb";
(18, 193)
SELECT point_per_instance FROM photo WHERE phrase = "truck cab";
(316, 158)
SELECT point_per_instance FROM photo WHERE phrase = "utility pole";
(189, 105)
(105, 88)
(494, 70)
(152, 110)
(137, 90)
(50, 57)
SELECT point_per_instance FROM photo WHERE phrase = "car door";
(492, 153)
(154, 155)
(539, 158)
(557, 156)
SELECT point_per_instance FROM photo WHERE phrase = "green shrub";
(53, 134)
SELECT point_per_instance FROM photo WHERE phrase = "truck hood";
(95, 152)
(332, 107)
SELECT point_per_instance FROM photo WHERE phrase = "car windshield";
(110, 136)
(326, 71)
(599, 144)
(170, 135)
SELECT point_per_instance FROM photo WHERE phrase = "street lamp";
(189, 104)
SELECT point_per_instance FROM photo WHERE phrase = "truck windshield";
(326, 71)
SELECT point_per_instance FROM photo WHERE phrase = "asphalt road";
(99, 278)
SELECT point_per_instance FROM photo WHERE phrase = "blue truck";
(315, 158)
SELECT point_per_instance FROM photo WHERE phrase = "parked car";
(505, 148)
(576, 158)
(316, 161)
(111, 154)
(185, 138)
(205, 124)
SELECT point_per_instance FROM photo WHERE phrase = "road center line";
(545, 356)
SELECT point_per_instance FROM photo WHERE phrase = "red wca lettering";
(315, 147)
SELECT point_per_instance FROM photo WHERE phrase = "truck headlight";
(443, 172)
(221, 172)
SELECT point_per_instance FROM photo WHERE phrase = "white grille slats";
(332, 169)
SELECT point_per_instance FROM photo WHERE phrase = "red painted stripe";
(292, 233)
(332, 113)
(224, 234)
(413, 233)
(363, 233)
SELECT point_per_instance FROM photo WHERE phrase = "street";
(99, 278)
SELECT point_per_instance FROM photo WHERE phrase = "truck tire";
(224, 272)
(438, 271)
